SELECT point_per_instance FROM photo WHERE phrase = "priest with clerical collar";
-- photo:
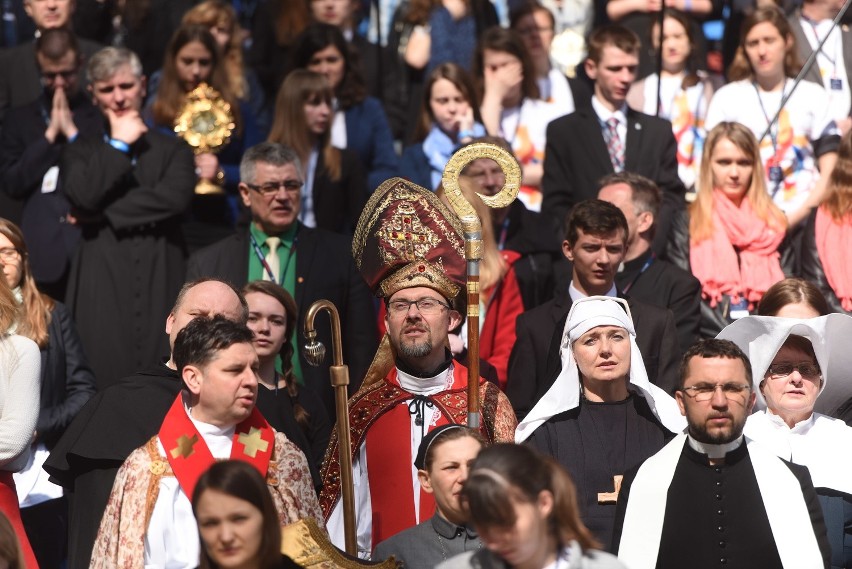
(602, 415)
(148, 520)
(409, 248)
(712, 497)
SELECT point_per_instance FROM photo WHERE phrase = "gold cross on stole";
(611, 497)
(253, 442)
(184, 446)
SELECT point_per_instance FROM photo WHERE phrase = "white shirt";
(338, 127)
(363, 504)
(805, 118)
(604, 114)
(171, 541)
(830, 63)
(576, 295)
(819, 442)
(555, 89)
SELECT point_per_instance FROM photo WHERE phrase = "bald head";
(205, 298)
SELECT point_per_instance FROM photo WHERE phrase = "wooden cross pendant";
(611, 497)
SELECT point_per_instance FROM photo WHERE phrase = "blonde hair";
(493, 267)
(701, 210)
(838, 196)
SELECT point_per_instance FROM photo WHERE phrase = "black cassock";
(114, 423)
(131, 259)
(597, 441)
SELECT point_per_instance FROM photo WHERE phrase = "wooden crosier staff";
(315, 354)
(472, 227)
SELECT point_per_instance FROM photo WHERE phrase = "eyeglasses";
(426, 306)
(271, 188)
(8, 255)
(705, 391)
(805, 369)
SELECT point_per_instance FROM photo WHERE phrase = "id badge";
(51, 177)
(776, 174)
(739, 310)
(836, 84)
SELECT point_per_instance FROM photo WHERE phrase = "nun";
(801, 369)
(602, 415)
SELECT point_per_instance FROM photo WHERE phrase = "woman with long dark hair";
(193, 57)
(358, 122)
(335, 188)
(237, 521)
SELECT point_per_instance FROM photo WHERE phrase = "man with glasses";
(409, 248)
(310, 263)
(31, 142)
(712, 497)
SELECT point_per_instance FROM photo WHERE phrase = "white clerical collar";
(712, 450)
(425, 385)
(800, 428)
(604, 114)
(576, 295)
(218, 439)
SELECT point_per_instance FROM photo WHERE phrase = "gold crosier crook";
(315, 354)
(472, 227)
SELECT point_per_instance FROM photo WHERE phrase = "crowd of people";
(663, 311)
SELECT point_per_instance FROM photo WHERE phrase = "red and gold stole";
(189, 456)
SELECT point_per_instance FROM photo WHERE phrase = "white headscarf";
(760, 337)
(564, 394)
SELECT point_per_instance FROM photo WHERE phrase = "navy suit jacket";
(576, 158)
(368, 134)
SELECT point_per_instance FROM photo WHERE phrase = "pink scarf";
(714, 260)
(834, 241)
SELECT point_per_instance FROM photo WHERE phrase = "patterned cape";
(121, 536)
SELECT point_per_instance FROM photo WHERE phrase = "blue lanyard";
(262, 258)
(644, 268)
(503, 233)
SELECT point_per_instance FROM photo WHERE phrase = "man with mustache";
(310, 263)
(409, 248)
(712, 497)
(148, 520)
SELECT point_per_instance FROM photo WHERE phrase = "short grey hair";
(106, 63)
(271, 153)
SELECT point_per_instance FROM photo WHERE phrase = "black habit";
(108, 428)
(131, 260)
(276, 406)
(597, 441)
(715, 516)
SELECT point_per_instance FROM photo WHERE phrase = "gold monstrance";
(205, 123)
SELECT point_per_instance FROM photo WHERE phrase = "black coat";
(740, 534)
(338, 204)
(667, 286)
(576, 158)
(713, 320)
(67, 382)
(86, 459)
(131, 260)
(811, 265)
(535, 364)
(25, 157)
(324, 269)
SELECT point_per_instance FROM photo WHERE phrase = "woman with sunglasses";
(801, 367)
